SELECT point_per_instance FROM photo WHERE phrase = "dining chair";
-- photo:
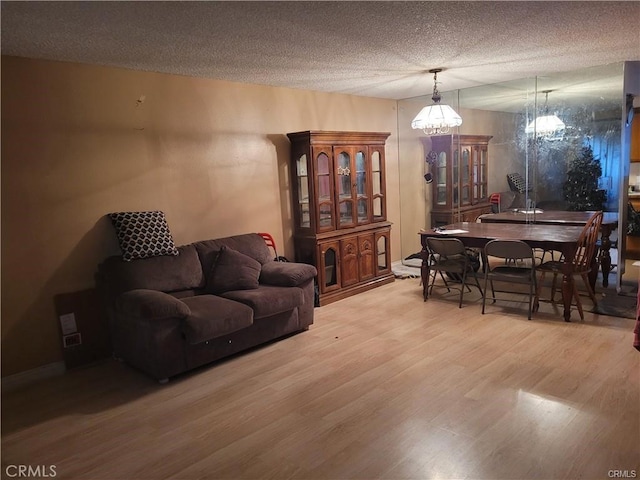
(494, 200)
(581, 264)
(449, 255)
(519, 267)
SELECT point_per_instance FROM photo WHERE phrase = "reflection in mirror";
(590, 103)
(442, 179)
(456, 176)
(587, 101)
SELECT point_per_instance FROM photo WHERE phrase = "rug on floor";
(407, 268)
(615, 305)
(405, 271)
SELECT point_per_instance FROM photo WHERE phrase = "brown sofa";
(170, 314)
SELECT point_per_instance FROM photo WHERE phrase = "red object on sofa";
(270, 243)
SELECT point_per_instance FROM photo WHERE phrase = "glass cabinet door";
(476, 175)
(362, 194)
(456, 178)
(441, 179)
(465, 176)
(328, 274)
(346, 203)
(377, 187)
(323, 191)
(483, 191)
(382, 253)
(302, 174)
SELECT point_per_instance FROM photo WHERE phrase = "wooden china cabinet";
(460, 168)
(339, 210)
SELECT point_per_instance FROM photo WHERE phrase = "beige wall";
(77, 144)
(414, 196)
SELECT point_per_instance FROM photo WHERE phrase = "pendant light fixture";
(436, 119)
(546, 124)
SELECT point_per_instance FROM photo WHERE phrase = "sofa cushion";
(151, 305)
(166, 273)
(212, 316)
(268, 300)
(233, 270)
(143, 234)
(285, 274)
(251, 244)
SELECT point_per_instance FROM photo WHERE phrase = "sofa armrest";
(286, 274)
(151, 305)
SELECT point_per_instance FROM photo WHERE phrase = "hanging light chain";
(436, 94)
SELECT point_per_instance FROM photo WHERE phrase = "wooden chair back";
(587, 244)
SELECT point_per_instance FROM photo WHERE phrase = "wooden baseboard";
(11, 382)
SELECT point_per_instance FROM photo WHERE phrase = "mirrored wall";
(588, 104)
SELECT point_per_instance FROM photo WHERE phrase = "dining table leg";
(424, 273)
(567, 289)
(604, 256)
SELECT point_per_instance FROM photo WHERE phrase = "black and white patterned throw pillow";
(143, 234)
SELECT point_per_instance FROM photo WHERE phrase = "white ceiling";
(377, 49)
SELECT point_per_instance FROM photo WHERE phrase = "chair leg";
(536, 289)
(433, 280)
(553, 287)
(484, 293)
(464, 283)
(539, 287)
(446, 284)
(590, 291)
(576, 295)
(477, 284)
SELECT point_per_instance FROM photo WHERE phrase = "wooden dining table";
(566, 218)
(476, 235)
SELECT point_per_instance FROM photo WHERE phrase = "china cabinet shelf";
(340, 218)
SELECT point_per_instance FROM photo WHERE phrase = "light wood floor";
(383, 385)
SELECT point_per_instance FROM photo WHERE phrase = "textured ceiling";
(378, 49)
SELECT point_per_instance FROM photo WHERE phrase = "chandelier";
(546, 124)
(436, 119)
